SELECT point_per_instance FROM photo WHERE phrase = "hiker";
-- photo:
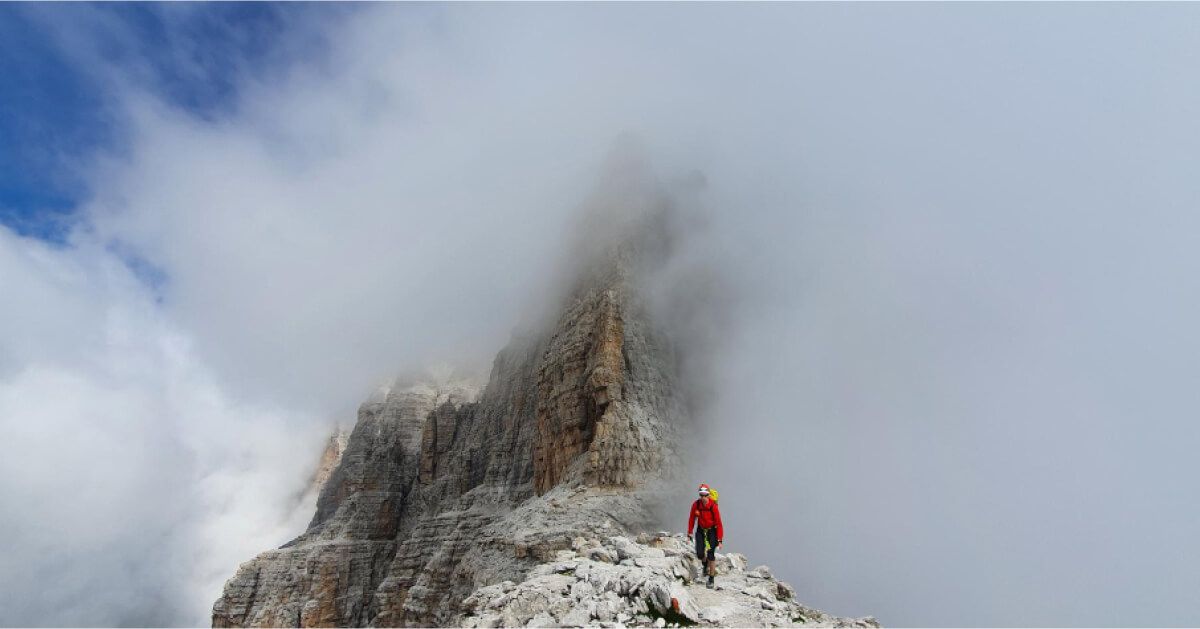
(706, 517)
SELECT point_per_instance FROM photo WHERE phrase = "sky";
(953, 372)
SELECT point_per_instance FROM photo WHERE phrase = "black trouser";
(711, 534)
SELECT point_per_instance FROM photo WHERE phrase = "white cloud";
(133, 483)
(960, 237)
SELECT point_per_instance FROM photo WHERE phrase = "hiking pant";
(711, 536)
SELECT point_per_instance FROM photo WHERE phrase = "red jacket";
(709, 517)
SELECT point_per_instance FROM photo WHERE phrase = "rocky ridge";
(435, 492)
(652, 580)
(446, 492)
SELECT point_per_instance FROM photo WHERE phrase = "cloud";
(953, 244)
(134, 482)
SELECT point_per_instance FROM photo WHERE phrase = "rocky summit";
(646, 581)
(526, 501)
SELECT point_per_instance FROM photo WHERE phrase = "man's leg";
(700, 554)
(711, 564)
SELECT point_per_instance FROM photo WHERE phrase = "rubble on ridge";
(647, 582)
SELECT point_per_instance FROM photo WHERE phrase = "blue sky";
(63, 65)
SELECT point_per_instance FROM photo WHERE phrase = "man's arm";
(720, 527)
(691, 520)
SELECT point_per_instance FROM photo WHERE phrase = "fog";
(947, 270)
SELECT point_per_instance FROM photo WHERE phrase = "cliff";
(444, 491)
(331, 457)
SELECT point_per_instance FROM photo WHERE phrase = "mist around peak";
(938, 286)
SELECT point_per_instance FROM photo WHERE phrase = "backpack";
(712, 493)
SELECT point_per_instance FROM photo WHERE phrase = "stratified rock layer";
(437, 493)
(442, 494)
(331, 457)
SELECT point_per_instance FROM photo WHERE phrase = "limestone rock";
(645, 596)
(526, 502)
(325, 575)
(444, 488)
(330, 458)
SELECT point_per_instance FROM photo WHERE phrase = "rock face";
(444, 491)
(618, 581)
(441, 491)
(319, 578)
(330, 458)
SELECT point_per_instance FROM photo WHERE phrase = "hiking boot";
(711, 582)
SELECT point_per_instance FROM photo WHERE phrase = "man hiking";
(706, 517)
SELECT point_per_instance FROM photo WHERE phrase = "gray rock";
(760, 572)
(577, 617)
(626, 548)
(565, 566)
(620, 593)
(438, 487)
(445, 486)
(600, 553)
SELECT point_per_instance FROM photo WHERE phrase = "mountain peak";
(444, 488)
